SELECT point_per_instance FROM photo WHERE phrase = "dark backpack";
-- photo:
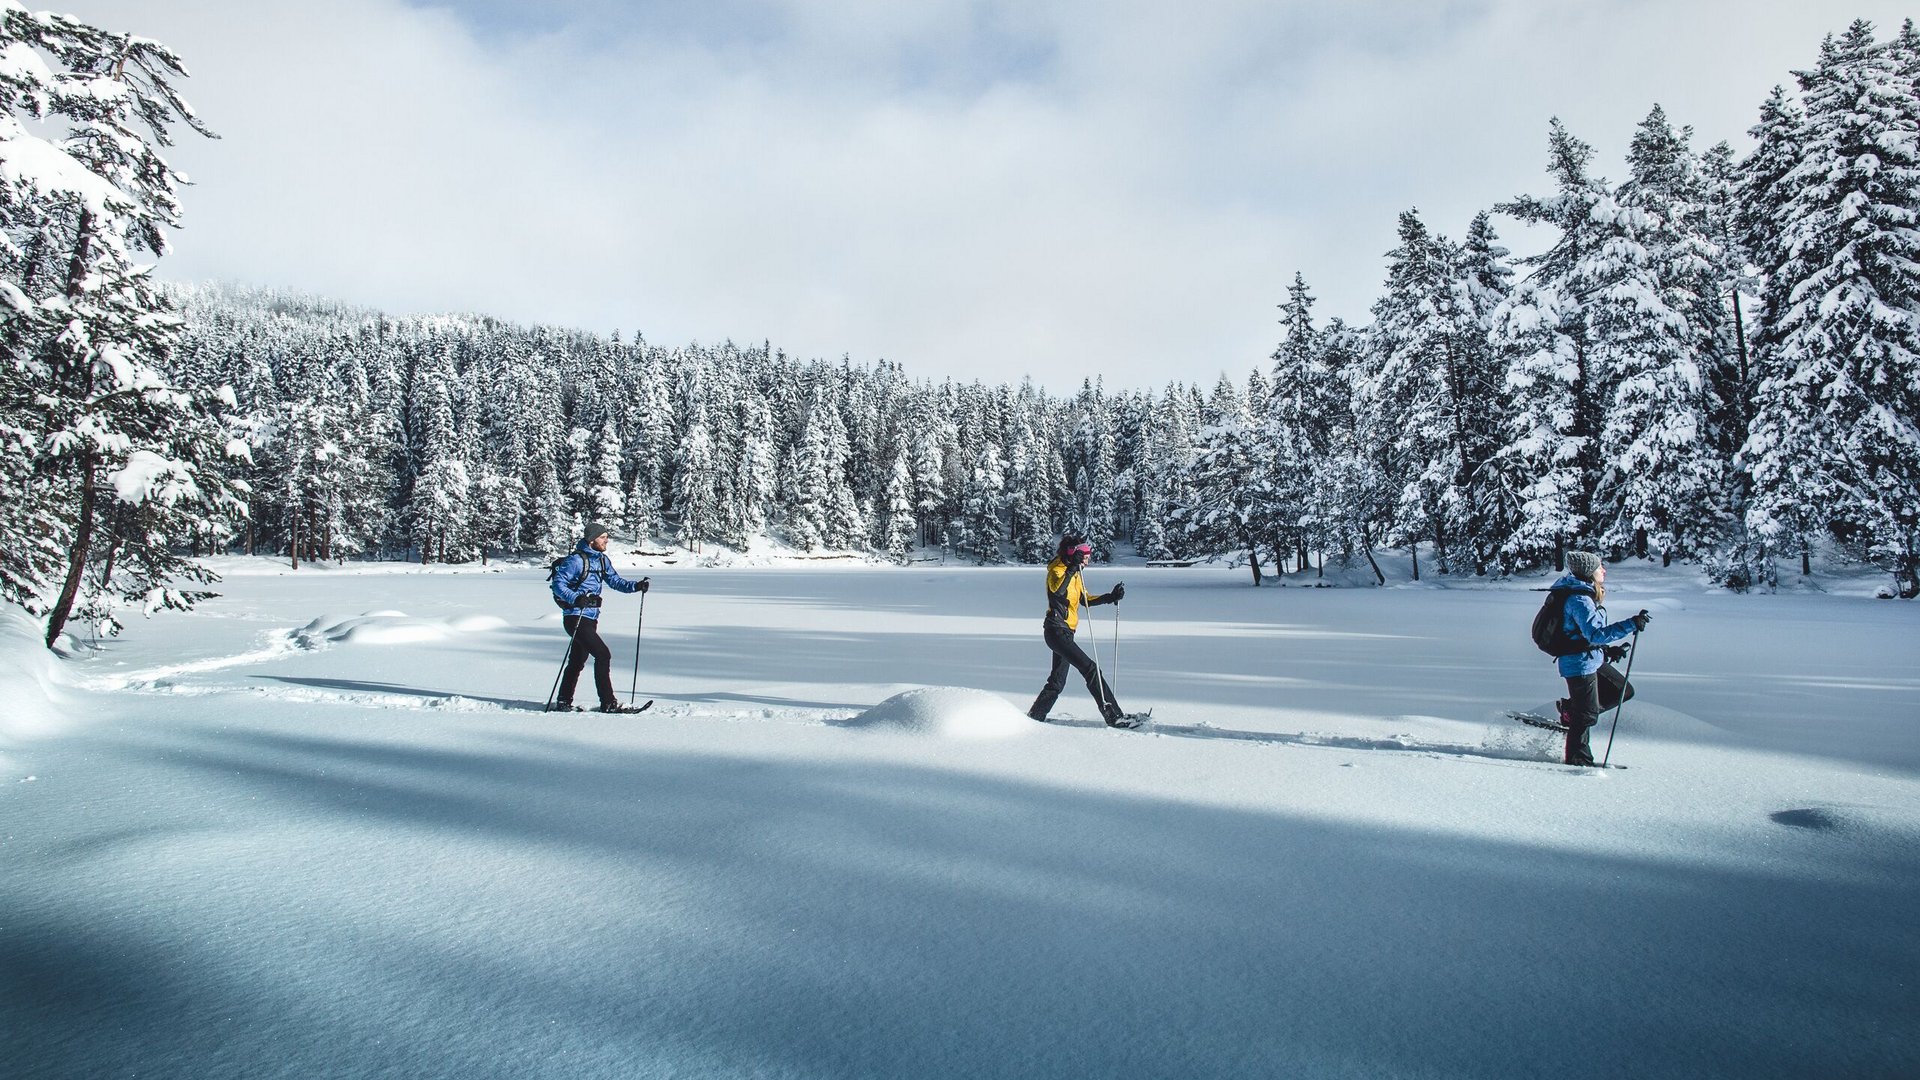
(1550, 627)
(553, 569)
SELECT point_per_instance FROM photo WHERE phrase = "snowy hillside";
(315, 829)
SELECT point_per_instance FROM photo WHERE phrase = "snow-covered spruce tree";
(325, 478)
(1176, 421)
(95, 423)
(697, 496)
(649, 430)
(1229, 481)
(981, 528)
(901, 531)
(928, 434)
(1834, 438)
(1423, 382)
(819, 500)
(1351, 502)
(1294, 427)
(441, 506)
(1028, 494)
(1091, 460)
(1550, 457)
(1653, 311)
(1482, 510)
(1735, 293)
(756, 472)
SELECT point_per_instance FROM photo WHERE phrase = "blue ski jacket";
(1586, 621)
(583, 574)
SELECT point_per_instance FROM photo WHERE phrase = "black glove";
(645, 584)
(1616, 653)
(1119, 592)
(1641, 620)
(588, 600)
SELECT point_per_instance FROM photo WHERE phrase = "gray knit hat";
(1583, 564)
(594, 528)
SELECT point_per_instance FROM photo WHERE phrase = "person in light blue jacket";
(577, 582)
(1594, 685)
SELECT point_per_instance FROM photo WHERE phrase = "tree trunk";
(1253, 560)
(1366, 541)
(113, 553)
(89, 462)
(76, 555)
(1414, 549)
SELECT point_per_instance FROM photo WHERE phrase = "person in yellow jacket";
(1065, 595)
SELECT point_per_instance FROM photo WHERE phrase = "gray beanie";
(1583, 564)
(594, 528)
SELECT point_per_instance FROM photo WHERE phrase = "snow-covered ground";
(316, 829)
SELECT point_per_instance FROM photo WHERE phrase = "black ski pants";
(585, 633)
(1067, 652)
(1587, 697)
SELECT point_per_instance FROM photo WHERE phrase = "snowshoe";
(1536, 720)
(1130, 720)
(564, 706)
(617, 707)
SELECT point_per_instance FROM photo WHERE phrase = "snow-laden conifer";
(110, 458)
(1834, 440)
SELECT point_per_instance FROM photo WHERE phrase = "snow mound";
(946, 711)
(392, 628)
(29, 678)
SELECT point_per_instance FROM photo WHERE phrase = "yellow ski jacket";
(1065, 595)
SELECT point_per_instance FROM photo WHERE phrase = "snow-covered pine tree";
(441, 505)
(755, 478)
(1421, 382)
(1652, 308)
(928, 434)
(1482, 510)
(85, 397)
(697, 497)
(816, 485)
(649, 433)
(1294, 428)
(1229, 481)
(901, 531)
(1550, 456)
(1092, 462)
(981, 528)
(1834, 440)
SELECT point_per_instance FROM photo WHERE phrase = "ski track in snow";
(278, 644)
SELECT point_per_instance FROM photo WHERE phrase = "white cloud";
(971, 187)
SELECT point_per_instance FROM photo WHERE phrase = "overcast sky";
(975, 188)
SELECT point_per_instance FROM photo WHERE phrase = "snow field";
(835, 848)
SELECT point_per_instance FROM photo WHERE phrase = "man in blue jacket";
(577, 582)
(1594, 685)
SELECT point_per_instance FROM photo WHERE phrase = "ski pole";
(1099, 673)
(1626, 684)
(1116, 641)
(634, 686)
(564, 657)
